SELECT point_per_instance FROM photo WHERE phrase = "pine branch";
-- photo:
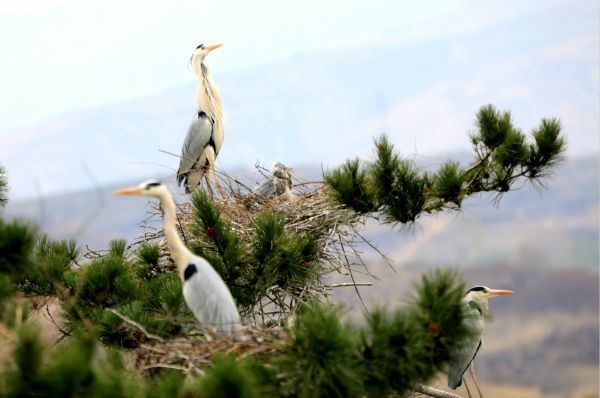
(136, 325)
(433, 392)
(397, 191)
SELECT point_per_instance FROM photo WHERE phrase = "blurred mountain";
(556, 227)
(317, 108)
(544, 336)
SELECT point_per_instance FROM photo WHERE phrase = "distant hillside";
(555, 227)
(545, 335)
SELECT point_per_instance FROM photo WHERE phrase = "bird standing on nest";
(205, 135)
(204, 291)
(476, 309)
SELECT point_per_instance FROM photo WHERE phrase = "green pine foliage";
(17, 240)
(397, 185)
(77, 369)
(148, 256)
(111, 290)
(351, 186)
(228, 377)
(398, 191)
(321, 359)
(412, 344)
(3, 187)
(54, 265)
(274, 258)
(169, 384)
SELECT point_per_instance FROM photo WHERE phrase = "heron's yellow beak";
(213, 47)
(128, 191)
(495, 292)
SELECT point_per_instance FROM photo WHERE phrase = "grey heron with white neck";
(476, 310)
(204, 291)
(205, 134)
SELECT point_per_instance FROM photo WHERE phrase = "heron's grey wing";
(209, 298)
(265, 189)
(199, 136)
(467, 348)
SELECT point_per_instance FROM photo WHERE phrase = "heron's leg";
(210, 191)
(467, 387)
(217, 183)
(472, 371)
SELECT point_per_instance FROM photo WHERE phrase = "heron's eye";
(200, 46)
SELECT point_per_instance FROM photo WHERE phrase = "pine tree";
(126, 330)
(3, 187)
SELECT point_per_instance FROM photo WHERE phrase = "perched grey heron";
(278, 183)
(476, 309)
(205, 135)
(204, 291)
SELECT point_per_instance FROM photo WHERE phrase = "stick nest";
(192, 355)
(307, 209)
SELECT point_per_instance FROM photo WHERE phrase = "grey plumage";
(475, 305)
(196, 152)
(278, 183)
(205, 134)
(468, 347)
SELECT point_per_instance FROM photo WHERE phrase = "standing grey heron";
(205, 134)
(204, 290)
(476, 309)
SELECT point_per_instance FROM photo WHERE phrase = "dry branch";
(433, 392)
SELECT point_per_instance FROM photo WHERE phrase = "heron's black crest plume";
(192, 56)
(152, 183)
(477, 289)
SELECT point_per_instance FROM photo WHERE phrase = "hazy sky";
(442, 60)
(62, 55)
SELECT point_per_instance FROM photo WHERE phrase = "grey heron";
(476, 309)
(278, 183)
(205, 134)
(204, 291)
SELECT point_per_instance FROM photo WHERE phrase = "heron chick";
(205, 134)
(279, 183)
(204, 291)
(476, 309)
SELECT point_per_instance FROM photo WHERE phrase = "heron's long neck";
(208, 96)
(179, 252)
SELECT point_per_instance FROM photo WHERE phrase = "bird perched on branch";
(204, 291)
(278, 183)
(205, 135)
(476, 309)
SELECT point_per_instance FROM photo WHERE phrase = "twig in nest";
(350, 284)
(433, 392)
(136, 325)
